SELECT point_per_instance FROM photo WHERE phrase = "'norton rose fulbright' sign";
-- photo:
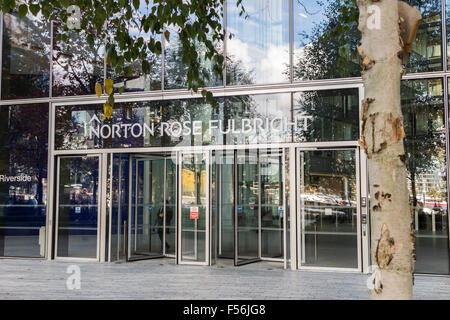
(187, 128)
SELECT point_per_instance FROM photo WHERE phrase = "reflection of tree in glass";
(27, 144)
(77, 66)
(329, 51)
(335, 115)
(425, 133)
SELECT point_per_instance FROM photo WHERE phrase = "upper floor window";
(25, 57)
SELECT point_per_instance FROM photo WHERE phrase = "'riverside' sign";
(187, 128)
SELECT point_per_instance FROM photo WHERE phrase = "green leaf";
(35, 8)
(136, 4)
(23, 10)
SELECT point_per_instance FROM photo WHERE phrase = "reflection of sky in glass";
(307, 15)
(260, 46)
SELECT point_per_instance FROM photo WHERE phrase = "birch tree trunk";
(392, 235)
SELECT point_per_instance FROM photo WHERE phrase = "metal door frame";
(300, 234)
(179, 156)
(101, 213)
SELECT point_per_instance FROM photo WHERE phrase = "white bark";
(392, 241)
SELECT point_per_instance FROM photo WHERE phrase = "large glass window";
(325, 39)
(328, 115)
(25, 57)
(423, 110)
(23, 179)
(77, 66)
(259, 50)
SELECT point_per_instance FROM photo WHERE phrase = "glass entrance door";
(77, 215)
(194, 208)
(151, 221)
(329, 213)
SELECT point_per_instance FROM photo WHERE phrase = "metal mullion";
(136, 205)
(444, 36)
(58, 168)
(358, 210)
(259, 205)
(283, 166)
(110, 205)
(119, 207)
(235, 224)
(224, 22)
(127, 232)
(50, 89)
(291, 41)
(1, 53)
(293, 214)
(447, 147)
(163, 61)
(164, 205)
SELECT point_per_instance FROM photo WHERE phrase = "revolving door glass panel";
(152, 208)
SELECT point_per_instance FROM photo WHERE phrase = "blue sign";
(239, 209)
(77, 209)
(150, 208)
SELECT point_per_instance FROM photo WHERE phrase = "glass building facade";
(273, 172)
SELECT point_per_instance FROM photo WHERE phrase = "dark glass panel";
(259, 50)
(78, 207)
(423, 110)
(328, 115)
(25, 57)
(23, 179)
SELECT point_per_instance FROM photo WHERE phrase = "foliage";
(133, 30)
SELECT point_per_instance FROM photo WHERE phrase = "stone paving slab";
(162, 279)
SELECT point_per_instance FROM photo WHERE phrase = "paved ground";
(161, 279)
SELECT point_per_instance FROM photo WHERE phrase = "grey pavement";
(162, 279)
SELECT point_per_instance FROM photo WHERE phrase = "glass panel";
(272, 210)
(77, 66)
(25, 57)
(147, 219)
(325, 39)
(423, 110)
(78, 207)
(259, 50)
(247, 211)
(328, 115)
(223, 203)
(328, 199)
(23, 180)
(194, 205)
(426, 52)
(175, 72)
